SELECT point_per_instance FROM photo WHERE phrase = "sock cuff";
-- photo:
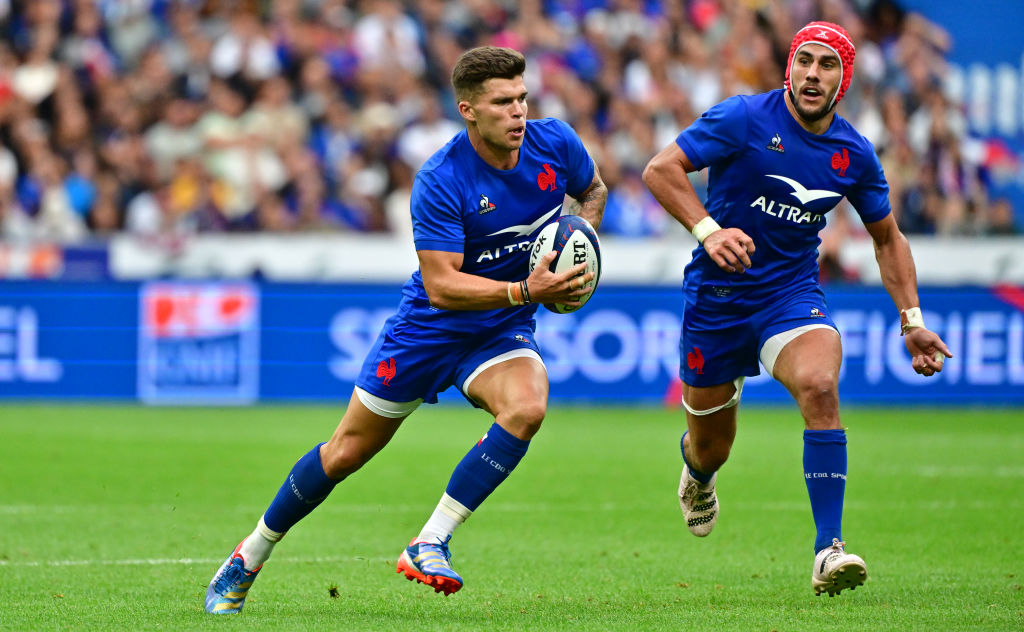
(267, 533)
(318, 465)
(453, 508)
(825, 437)
(506, 440)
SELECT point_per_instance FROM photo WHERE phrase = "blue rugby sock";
(694, 472)
(485, 466)
(306, 487)
(825, 475)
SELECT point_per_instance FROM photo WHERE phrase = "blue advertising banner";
(177, 342)
(316, 335)
(66, 340)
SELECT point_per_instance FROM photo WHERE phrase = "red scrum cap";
(830, 36)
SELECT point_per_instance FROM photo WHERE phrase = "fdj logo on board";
(198, 343)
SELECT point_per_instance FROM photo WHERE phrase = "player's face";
(499, 113)
(815, 78)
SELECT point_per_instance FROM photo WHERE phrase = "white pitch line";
(341, 510)
(188, 561)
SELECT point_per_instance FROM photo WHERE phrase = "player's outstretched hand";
(927, 349)
(566, 287)
(730, 248)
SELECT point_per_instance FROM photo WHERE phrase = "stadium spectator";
(35, 78)
(632, 211)
(173, 136)
(15, 223)
(1001, 220)
(277, 122)
(244, 50)
(387, 39)
(428, 131)
(106, 216)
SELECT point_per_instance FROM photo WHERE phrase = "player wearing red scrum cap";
(778, 163)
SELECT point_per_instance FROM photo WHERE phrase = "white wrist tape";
(705, 227)
(910, 318)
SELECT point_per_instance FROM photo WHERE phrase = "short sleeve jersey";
(462, 204)
(776, 181)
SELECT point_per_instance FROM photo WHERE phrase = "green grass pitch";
(116, 517)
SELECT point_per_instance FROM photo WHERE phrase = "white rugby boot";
(835, 570)
(699, 503)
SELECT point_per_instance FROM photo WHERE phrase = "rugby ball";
(575, 241)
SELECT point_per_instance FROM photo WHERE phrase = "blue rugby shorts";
(723, 331)
(408, 362)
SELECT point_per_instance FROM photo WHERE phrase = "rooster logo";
(840, 163)
(387, 371)
(546, 179)
(485, 205)
(695, 360)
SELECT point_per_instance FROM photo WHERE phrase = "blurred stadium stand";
(163, 120)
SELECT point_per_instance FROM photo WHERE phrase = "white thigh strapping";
(386, 408)
(772, 347)
(735, 399)
(498, 359)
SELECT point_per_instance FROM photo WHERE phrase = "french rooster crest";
(387, 370)
(840, 163)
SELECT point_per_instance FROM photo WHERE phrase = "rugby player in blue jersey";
(778, 162)
(466, 317)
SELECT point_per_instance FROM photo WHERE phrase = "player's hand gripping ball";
(575, 241)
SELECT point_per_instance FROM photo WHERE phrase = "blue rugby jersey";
(462, 204)
(776, 181)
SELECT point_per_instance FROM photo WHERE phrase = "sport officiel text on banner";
(235, 343)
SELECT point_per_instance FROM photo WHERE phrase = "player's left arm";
(896, 264)
(590, 204)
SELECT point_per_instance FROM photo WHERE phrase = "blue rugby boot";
(230, 585)
(430, 564)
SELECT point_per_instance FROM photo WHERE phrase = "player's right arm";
(449, 288)
(666, 177)
(899, 276)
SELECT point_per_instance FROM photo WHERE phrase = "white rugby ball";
(575, 241)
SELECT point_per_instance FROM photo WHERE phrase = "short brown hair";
(477, 65)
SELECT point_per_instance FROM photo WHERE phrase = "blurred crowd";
(166, 118)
